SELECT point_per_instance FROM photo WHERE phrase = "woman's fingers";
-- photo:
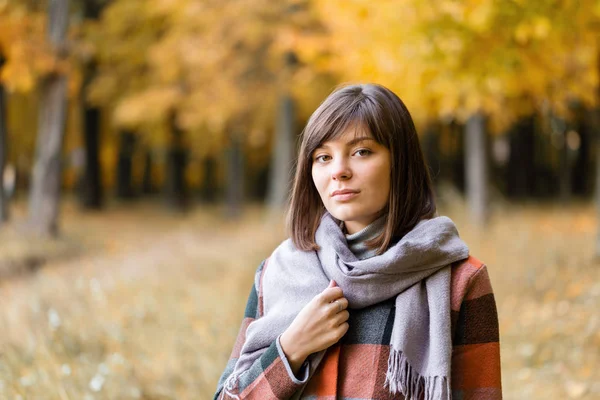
(338, 305)
(341, 317)
(341, 330)
(336, 313)
(330, 294)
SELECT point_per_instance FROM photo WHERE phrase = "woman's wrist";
(294, 355)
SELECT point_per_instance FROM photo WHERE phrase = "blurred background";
(147, 149)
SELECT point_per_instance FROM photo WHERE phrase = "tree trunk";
(598, 189)
(582, 165)
(91, 189)
(147, 184)
(456, 163)
(44, 197)
(44, 194)
(595, 124)
(476, 169)
(124, 188)
(283, 156)
(520, 168)
(3, 153)
(431, 149)
(208, 191)
(175, 184)
(235, 175)
(564, 170)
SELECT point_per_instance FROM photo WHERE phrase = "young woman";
(373, 296)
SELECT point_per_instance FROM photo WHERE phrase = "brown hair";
(389, 122)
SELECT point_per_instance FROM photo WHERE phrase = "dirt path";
(148, 305)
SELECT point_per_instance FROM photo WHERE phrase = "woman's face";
(352, 176)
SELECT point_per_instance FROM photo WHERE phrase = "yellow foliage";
(213, 64)
(221, 64)
(541, 27)
(150, 106)
(23, 44)
(454, 57)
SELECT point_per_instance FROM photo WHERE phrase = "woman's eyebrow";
(358, 140)
(349, 143)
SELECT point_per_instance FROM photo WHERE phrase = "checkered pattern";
(354, 368)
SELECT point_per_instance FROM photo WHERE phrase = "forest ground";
(137, 302)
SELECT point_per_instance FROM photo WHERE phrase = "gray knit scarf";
(415, 271)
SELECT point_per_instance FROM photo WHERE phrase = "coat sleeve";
(476, 344)
(270, 376)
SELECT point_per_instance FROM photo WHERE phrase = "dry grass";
(147, 304)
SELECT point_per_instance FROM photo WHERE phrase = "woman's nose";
(341, 169)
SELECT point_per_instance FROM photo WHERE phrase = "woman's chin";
(345, 214)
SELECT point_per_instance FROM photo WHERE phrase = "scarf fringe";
(402, 377)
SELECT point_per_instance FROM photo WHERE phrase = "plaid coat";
(355, 367)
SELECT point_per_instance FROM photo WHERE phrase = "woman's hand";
(320, 324)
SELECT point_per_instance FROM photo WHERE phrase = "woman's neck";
(357, 241)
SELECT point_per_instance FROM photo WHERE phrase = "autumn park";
(147, 150)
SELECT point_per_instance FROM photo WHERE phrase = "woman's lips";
(345, 196)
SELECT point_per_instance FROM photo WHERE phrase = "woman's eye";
(322, 158)
(363, 152)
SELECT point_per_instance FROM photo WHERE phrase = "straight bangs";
(359, 112)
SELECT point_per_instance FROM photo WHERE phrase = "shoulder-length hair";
(377, 108)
